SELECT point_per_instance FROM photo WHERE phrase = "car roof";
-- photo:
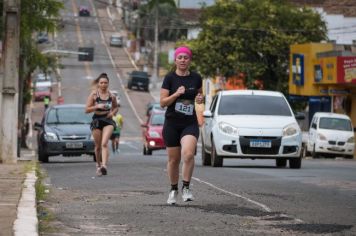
(116, 35)
(69, 106)
(331, 114)
(157, 112)
(252, 92)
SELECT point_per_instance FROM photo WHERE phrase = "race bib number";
(185, 106)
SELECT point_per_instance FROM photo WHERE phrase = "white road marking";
(264, 207)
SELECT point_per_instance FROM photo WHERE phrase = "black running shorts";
(173, 133)
(100, 123)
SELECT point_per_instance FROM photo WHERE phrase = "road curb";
(27, 222)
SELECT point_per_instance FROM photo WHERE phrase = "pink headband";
(182, 49)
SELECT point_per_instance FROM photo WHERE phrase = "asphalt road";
(244, 197)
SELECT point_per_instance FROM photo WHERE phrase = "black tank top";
(107, 102)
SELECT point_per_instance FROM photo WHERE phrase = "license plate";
(261, 143)
(74, 145)
(335, 148)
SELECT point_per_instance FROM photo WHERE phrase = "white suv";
(251, 124)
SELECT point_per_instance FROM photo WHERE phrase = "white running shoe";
(187, 195)
(172, 197)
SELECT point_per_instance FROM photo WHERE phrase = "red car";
(152, 133)
(42, 92)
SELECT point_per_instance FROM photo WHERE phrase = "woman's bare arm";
(90, 106)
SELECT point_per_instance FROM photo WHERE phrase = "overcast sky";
(194, 3)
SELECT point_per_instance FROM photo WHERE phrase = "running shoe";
(104, 171)
(172, 197)
(187, 195)
(98, 171)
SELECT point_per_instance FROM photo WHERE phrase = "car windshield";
(68, 115)
(157, 119)
(253, 105)
(335, 124)
(42, 89)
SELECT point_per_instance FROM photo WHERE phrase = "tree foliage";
(168, 21)
(37, 16)
(253, 37)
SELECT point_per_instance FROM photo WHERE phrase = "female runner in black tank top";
(104, 106)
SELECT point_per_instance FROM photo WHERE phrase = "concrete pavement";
(18, 214)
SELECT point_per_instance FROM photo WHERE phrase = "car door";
(208, 124)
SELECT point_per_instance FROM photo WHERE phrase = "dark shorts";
(100, 123)
(115, 135)
(173, 133)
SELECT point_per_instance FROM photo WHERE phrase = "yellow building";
(324, 77)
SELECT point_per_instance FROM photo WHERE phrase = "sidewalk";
(17, 197)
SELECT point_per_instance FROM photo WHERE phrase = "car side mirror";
(207, 114)
(313, 126)
(37, 126)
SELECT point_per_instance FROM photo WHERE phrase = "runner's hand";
(199, 98)
(180, 90)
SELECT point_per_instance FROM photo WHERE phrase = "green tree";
(253, 37)
(35, 16)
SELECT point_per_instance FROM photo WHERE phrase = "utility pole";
(9, 77)
(155, 56)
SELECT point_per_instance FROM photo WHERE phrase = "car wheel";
(216, 160)
(281, 162)
(205, 157)
(42, 157)
(295, 163)
(149, 151)
(314, 154)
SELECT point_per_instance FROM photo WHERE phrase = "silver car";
(116, 40)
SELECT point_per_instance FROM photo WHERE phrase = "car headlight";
(321, 136)
(153, 134)
(351, 140)
(290, 129)
(50, 136)
(228, 129)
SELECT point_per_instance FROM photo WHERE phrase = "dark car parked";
(84, 11)
(42, 37)
(64, 130)
(139, 80)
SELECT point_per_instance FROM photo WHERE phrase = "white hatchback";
(331, 134)
(251, 124)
